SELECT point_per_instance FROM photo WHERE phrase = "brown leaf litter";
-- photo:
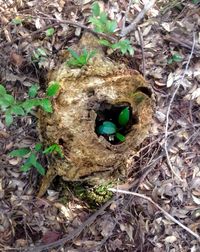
(125, 223)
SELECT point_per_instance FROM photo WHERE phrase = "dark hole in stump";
(145, 90)
(110, 112)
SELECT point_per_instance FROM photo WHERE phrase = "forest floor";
(164, 215)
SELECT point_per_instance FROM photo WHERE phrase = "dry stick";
(160, 208)
(169, 110)
(142, 48)
(58, 22)
(126, 14)
(140, 16)
(73, 234)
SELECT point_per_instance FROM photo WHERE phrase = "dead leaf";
(50, 236)
(16, 59)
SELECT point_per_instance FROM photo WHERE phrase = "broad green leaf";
(29, 104)
(177, 57)
(53, 88)
(9, 99)
(105, 42)
(124, 116)
(26, 166)
(120, 137)
(95, 9)
(20, 152)
(8, 118)
(45, 103)
(49, 32)
(107, 128)
(17, 110)
(32, 92)
(38, 146)
(2, 90)
(39, 168)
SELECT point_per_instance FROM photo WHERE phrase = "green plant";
(54, 148)
(49, 32)
(111, 130)
(79, 60)
(100, 21)
(123, 45)
(31, 158)
(175, 58)
(39, 55)
(102, 24)
(17, 21)
(11, 107)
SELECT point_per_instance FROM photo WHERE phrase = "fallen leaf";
(50, 236)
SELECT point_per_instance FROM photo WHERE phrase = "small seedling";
(17, 21)
(111, 130)
(39, 55)
(79, 60)
(175, 58)
(31, 158)
(11, 107)
(123, 45)
(100, 20)
(49, 32)
(54, 148)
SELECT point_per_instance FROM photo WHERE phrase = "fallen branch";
(73, 235)
(160, 208)
(57, 23)
(169, 110)
(132, 26)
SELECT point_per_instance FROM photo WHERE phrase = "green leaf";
(49, 32)
(105, 42)
(8, 118)
(2, 90)
(177, 57)
(53, 148)
(107, 128)
(41, 52)
(26, 166)
(45, 103)
(95, 9)
(124, 116)
(73, 53)
(195, 1)
(17, 110)
(29, 104)
(9, 99)
(38, 146)
(111, 26)
(53, 88)
(39, 168)
(32, 92)
(20, 152)
(17, 21)
(120, 137)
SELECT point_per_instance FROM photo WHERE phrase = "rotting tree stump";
(102, 87)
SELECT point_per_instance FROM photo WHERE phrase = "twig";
(126, 14)
(160, 208)
(140, 16)
(142, 48)
(73, 234)
(169, 110)
(57, 23)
